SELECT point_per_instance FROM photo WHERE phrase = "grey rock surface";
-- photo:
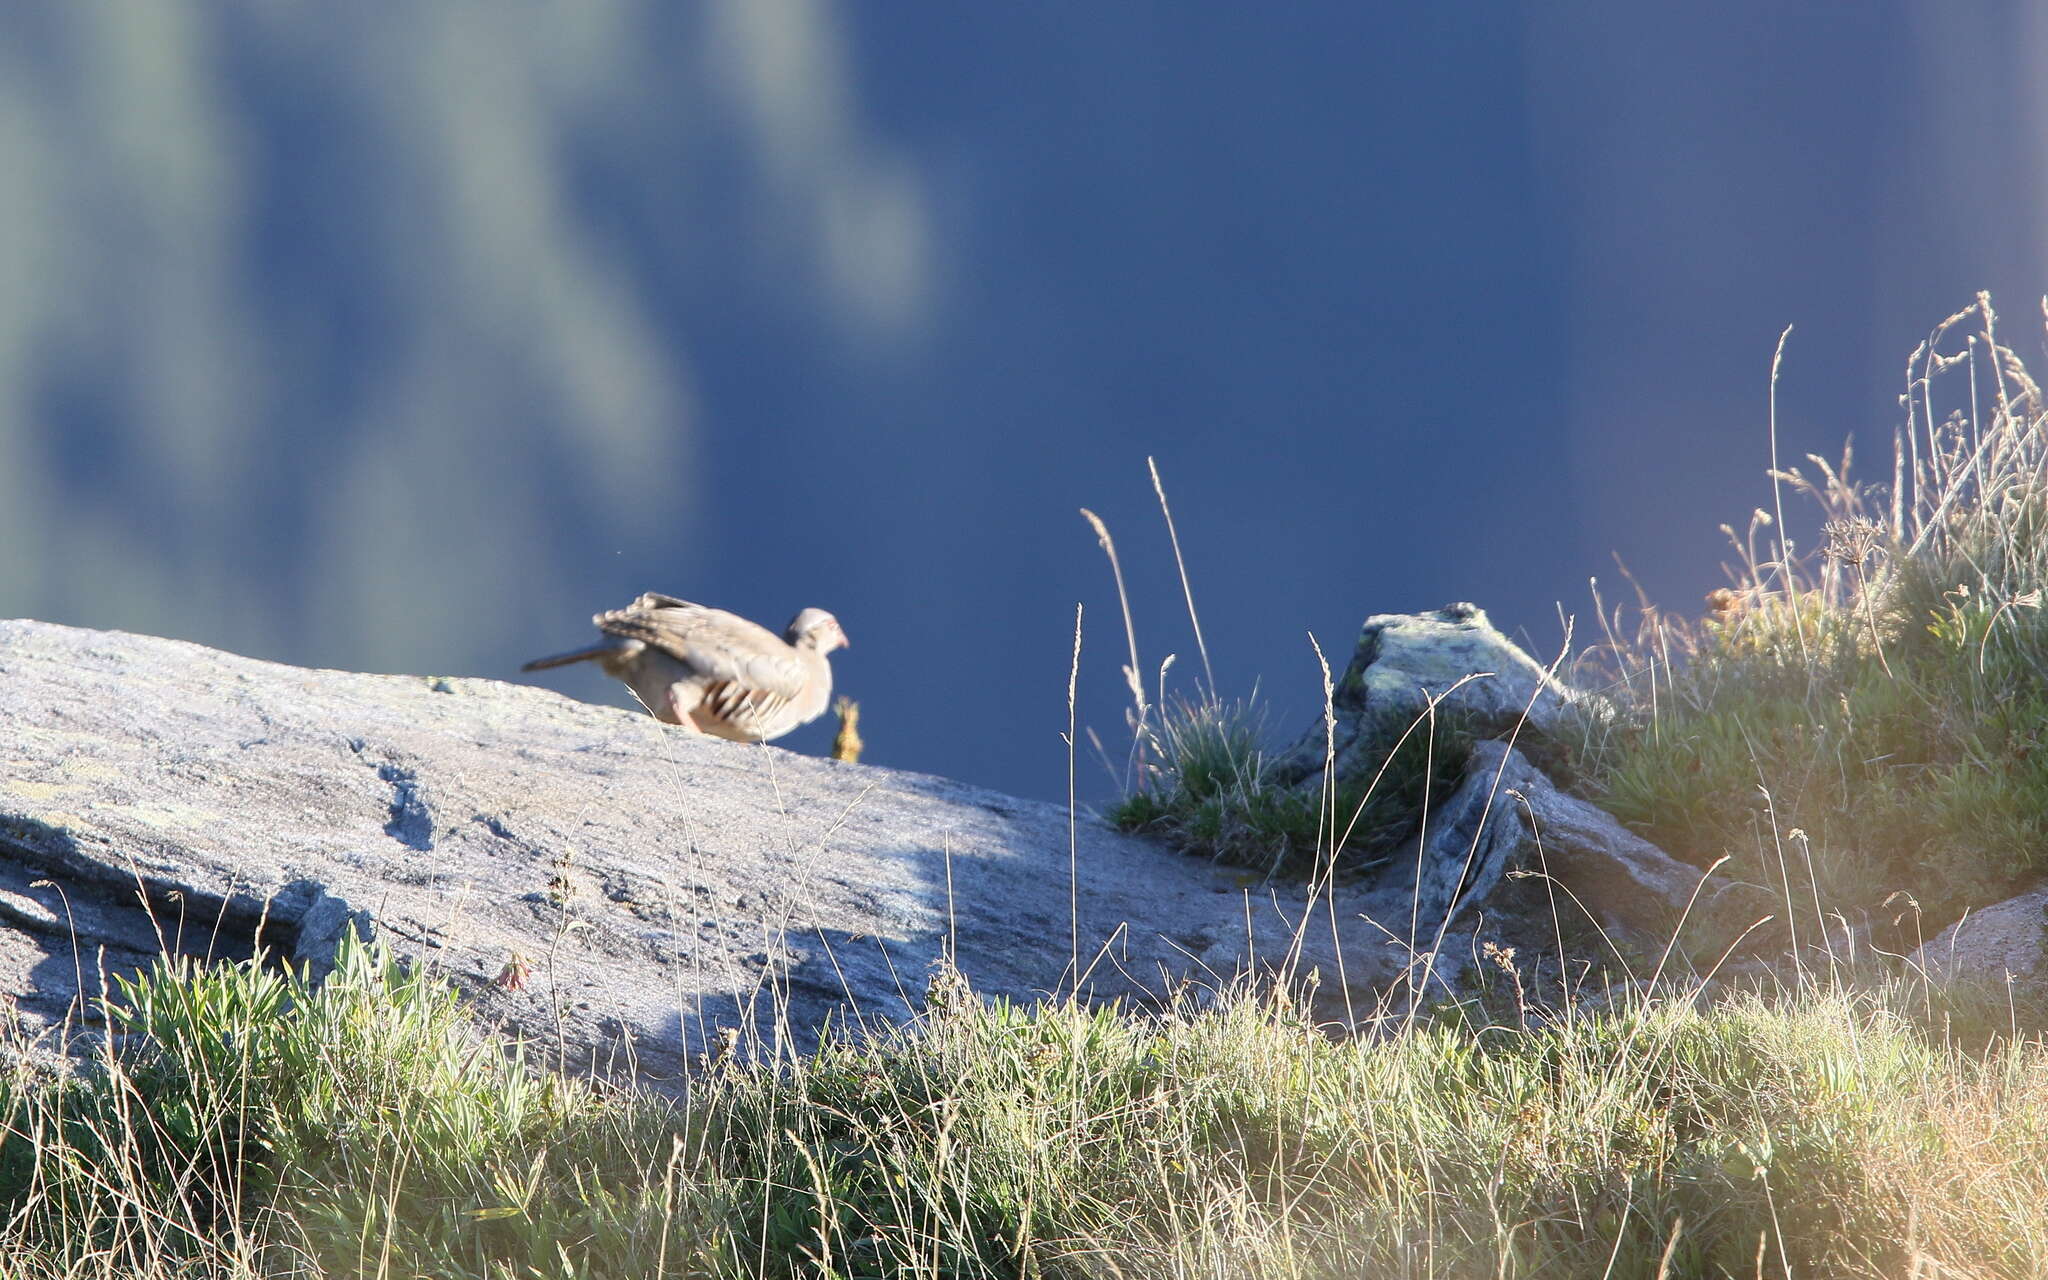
(1459, 684)
(1450, 659)
(2005, 942)
(1507, 816)
(156, 793)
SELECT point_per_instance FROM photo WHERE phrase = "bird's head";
(816, 629)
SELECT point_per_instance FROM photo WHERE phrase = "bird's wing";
(656, 600)
(722, 647)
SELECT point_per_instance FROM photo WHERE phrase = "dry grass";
(362, 1130)
(1867, 717)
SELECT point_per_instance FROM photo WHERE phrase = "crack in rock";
(496, 826)
(322, 925)
(411, 824)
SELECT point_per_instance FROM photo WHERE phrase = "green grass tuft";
(1209, 788)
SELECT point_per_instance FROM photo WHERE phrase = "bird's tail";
(574, 655)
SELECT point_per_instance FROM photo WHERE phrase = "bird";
(712, 672)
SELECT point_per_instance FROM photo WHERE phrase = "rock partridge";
(714, 672)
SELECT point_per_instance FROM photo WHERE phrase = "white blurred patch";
(857, 206)
(467, 368)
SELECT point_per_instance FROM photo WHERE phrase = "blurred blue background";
(403, 338)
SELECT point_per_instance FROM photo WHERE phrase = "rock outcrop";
(156, 793)
(624, 892)
(1449, 666)
(1446, 684)
(1507, 816)
(2005, 943)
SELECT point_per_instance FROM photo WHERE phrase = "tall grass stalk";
(1188, 592)
(1073, 835)
(1134, 677)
